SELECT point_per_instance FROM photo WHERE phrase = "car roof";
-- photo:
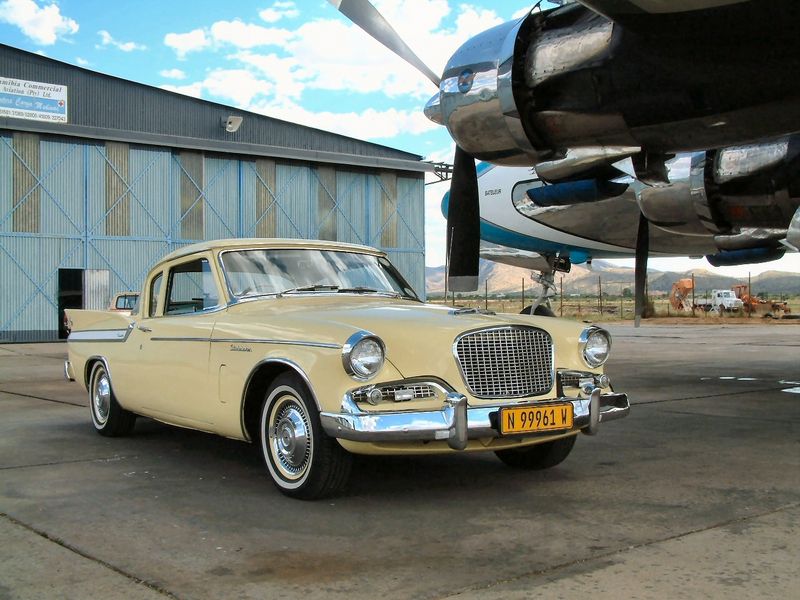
(236, 243)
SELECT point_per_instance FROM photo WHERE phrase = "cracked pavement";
(695, 494)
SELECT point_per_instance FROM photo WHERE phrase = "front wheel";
(108, 417)
(303, 461)
(540, 456)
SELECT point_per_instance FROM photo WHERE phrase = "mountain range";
(586, 279)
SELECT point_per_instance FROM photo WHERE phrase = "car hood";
(418, 337)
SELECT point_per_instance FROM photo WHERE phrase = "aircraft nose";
(433, 109)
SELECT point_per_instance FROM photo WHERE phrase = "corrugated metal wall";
(117, 208)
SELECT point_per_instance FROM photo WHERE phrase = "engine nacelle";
(745, 196)
(476, 99)
(538, 89)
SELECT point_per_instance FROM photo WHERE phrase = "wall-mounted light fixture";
(232, 123)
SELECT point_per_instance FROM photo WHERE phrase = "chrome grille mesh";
(506, 362)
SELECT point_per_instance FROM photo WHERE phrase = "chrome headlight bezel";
(588, 334)
(350, 355)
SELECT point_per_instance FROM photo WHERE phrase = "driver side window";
(191, 288)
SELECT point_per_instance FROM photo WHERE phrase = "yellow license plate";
(527, 419)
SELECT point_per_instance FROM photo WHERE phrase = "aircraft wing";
(514, 257)
(614, 9)
(694, 18)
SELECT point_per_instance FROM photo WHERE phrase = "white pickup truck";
(722, 301)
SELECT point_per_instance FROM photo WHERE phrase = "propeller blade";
(463, 225)
(642, 250)
(367, 17)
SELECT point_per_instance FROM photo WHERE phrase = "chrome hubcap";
(289, 437)
(102, 399)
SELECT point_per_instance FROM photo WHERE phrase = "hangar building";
(100, 177)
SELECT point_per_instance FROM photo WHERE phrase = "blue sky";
(296, 60)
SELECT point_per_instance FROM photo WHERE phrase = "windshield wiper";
(311, 288)
(355, 290)
(366, 290)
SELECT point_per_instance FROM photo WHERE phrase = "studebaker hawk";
(317, 350)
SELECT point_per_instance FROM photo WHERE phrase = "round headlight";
(363, 355)
(596, 344)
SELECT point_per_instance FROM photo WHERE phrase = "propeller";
(463, 212)
(640, 273)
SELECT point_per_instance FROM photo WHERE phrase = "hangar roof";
(104, 107)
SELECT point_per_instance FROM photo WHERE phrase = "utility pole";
(600, 293)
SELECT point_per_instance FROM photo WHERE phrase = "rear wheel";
(540, 456)
(108, 417)
(303, 461)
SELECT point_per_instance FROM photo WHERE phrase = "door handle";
(143, 328)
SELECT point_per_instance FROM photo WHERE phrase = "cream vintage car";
(316, 351)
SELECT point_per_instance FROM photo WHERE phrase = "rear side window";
(191, 288)
(126, 302)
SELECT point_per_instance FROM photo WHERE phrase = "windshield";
(262, 272)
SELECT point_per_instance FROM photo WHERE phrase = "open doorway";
(70, 295)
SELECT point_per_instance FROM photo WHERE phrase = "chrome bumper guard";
(455, 423)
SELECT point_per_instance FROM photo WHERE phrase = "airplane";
(710, 209)
(578, 89)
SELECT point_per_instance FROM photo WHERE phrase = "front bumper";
(456, 423)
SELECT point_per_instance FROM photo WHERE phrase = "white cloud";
(278, 11)
(184, 43)
(172, 74)
(246, 35)
(287, 74)
(193, 89)
(238, 85)
(106, 39)
(435, 223)
(341, 56)
(333, 54)
(44, 25)
(370, 124)
(81, 61)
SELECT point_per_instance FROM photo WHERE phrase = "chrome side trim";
(100, 335)
(249, 341)
(456, 423)
(69, 373)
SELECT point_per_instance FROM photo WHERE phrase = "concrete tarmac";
(695, 495)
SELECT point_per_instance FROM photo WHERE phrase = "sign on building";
(33, 100)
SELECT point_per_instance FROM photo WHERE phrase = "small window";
(191, 288)
(126, 302)
(155, 288)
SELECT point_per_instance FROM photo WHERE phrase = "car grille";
(506, 362)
